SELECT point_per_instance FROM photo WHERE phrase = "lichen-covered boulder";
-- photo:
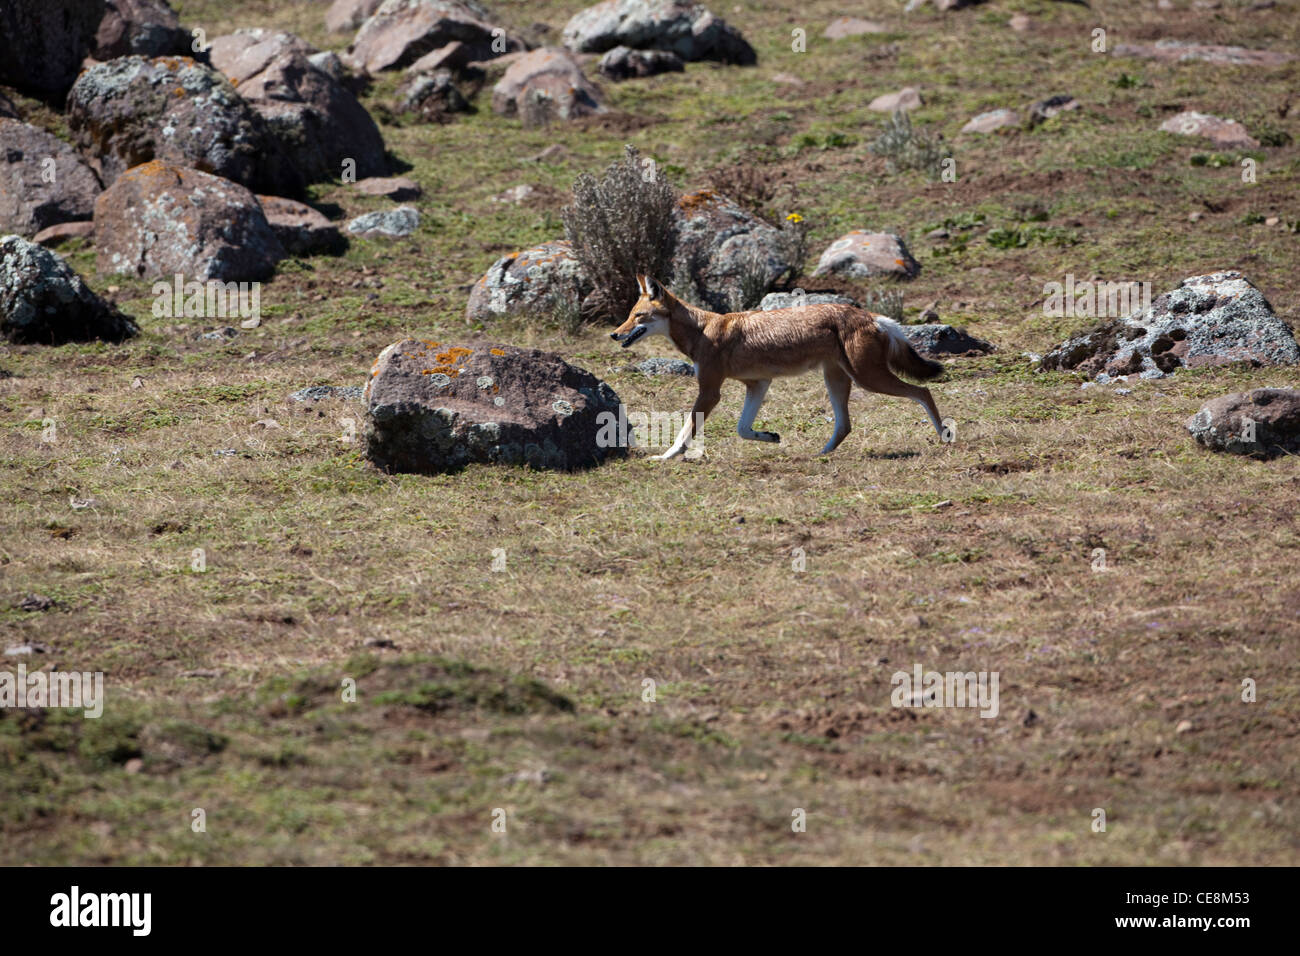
(535, 281)
(134, 109)
(319, 123)
(160, 220)
(867, 255)
(718, 241)
(1215, 319)
(43, 43)
(1263, 423)
(433, 407)
(43, 301)
(301, 229)
(549, 76)
(43, 181)
(687, 29)
(402, 31)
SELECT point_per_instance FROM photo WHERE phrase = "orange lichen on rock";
(454, 355)
(697, 200)
(497, 351)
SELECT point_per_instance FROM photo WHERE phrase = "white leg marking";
(839, 397)
(755, 392)
(938, 425)
(679, 446)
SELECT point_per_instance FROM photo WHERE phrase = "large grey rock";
(1215, 319)
(133, 109)
(935, 340)
(402, 31)
(43, 181)
(718, 241)
(553, 77)
(435, 408)
(43, 301)
(158, 220)
(1262, 423)
(687, 29)
(793, 300)
(867, 255)
(319, 123)
(535, 281)
(43, 43)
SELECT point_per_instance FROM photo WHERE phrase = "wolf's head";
(650, 315)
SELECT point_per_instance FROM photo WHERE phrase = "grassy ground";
(522, 689)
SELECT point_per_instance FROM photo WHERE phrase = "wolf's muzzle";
(630, 337)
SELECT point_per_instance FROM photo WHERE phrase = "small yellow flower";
(794, 217)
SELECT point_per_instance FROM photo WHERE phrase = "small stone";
(992, 120)
(842, 27)
(908, 98)
(396, 188)
(390, 223)
(664, 366)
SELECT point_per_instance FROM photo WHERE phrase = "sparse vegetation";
(905, 147)
(621, 225)
(772, 685)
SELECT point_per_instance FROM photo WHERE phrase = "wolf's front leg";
(704, 403)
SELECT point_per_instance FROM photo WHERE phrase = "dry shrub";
(620, 225)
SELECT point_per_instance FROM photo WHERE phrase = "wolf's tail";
(902, 357)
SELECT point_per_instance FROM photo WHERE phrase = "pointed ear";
(640, 283)
(652, 288)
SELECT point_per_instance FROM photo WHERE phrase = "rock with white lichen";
(43, 301)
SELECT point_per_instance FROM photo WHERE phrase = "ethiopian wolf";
(849, 344)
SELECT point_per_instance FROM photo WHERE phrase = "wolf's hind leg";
(755, 392)
(887, 383)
